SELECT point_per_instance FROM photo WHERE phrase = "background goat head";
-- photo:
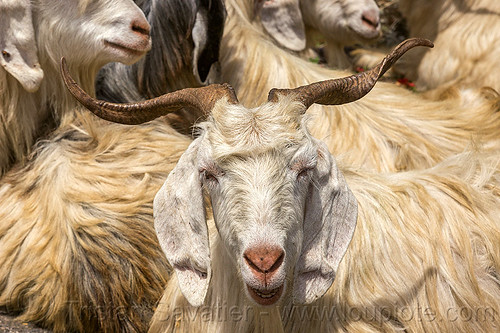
(281, 206)
(344, 21)
(90, 30)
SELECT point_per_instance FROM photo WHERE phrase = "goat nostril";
(264, 259)
(140, 26)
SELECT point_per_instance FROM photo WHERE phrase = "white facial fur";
(344, 21)
(92, 30)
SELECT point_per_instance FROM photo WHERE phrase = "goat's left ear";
(180, 224)
(282, 19)
(329, 223)
(17, 44)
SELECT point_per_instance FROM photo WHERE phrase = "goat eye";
(210, 177)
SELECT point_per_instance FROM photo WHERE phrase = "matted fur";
(425, 254)
(467, 42)
(389, 129)
(77, 245)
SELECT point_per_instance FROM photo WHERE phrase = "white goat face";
(282, 208)
(106, 30)
(258, 203)
(343, 20)
(88, 33)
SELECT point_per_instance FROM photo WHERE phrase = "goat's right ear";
(282, 19)
(180, 224)
(17, 44)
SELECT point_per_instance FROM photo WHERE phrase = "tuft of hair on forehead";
(236, 130)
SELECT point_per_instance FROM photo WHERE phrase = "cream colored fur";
(77, 245)
(78, 250)
(467, 42)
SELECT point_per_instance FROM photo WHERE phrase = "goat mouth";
(265, 297)
(373, 26)
(365, 32)
(133, 51)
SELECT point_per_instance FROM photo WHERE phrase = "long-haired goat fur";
(77, 245)
(425, 255)
(467, 39)
(390, 129)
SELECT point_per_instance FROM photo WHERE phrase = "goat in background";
(299, 25)
(340, 23)
(33, 37)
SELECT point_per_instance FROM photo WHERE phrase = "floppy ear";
(180, 224)
(282, 19)
(329, 223)
(17, 44)
(207, 36)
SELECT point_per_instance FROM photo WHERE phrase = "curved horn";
(202, 98)
(351, 88)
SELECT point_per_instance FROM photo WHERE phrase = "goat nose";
(140, 26)
(264, 259)
(371, 18)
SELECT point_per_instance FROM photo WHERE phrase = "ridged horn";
(351, 88)
(203, 98)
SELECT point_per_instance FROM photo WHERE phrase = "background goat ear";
(180, 224)
(17, 44)
(207, 35)
(282, 19)
(329, 223)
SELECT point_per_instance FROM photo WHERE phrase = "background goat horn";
(351, 88)
(202, 98)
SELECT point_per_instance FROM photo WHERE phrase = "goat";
(285, 213)
(33, 37)
(467, 36)
(340, 23)
(77, 250)
(298, 25)
(390, 129)
(172, 63)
